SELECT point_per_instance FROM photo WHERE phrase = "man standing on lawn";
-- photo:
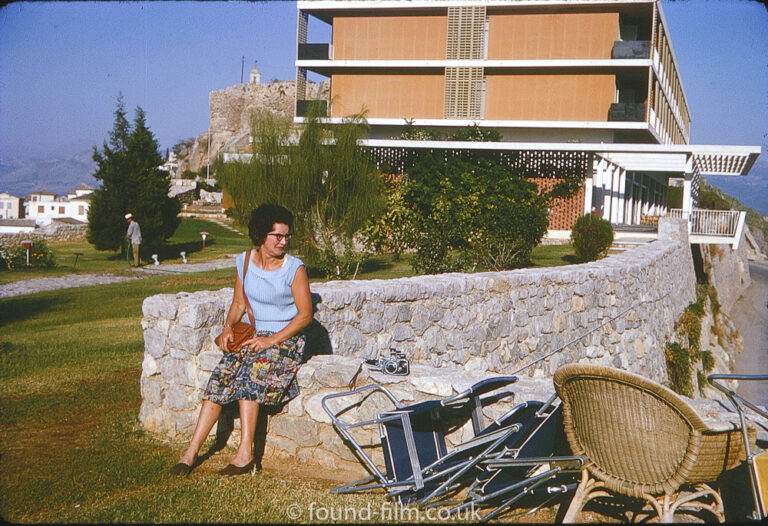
(134, 234)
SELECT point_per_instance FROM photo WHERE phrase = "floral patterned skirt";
(267, 376)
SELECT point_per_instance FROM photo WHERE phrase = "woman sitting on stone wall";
(264, 370)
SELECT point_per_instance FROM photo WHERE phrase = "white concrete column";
(598, 184)
(588, 183)
(687, 201)
(622, 208)
(615, 178)
(629, 198)
(645, 193)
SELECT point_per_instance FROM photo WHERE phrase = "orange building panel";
(549, 97)
(530, 36)
(389, 37)
(398, 96)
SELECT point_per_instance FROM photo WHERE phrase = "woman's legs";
(209, 414)
(249, 414)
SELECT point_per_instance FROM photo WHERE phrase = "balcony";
(314, 51)
(631, 49)
(305, 107)
(713, 226)
(627, 112)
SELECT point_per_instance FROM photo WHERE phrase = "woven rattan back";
(639, 436)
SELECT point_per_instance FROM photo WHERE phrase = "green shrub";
(591, 236)
(14, 255)
(391, 233)
(472, 212)
(679, 368)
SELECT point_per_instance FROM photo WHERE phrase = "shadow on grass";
(21, 308)
(190, 247)
(375, 265)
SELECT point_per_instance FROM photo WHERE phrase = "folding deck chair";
(412, 436)
(418, 468)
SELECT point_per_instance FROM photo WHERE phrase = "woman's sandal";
(231, 469)
(181, 469)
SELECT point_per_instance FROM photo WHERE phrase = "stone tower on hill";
(230, 112)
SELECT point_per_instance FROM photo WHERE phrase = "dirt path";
(750, 315)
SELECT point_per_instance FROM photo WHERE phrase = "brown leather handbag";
(241, 331)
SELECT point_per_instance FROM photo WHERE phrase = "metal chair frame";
(741, 404)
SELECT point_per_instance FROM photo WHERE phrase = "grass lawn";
(71, 448)
(553, 256)
(218, 244)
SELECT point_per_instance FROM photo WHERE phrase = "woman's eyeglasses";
(280, 237)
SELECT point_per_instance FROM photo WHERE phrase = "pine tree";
(131, 182)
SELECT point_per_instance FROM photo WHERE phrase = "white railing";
(709, 225)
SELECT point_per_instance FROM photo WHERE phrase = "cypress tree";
(131, 182)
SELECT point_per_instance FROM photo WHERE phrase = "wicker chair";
(643, 441)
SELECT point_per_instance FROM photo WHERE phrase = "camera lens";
(390, 367)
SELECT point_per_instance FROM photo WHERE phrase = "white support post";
(597, 184)
(615, 179)
(607, 185)
(687, 201)
(645, 194)
(621, 212)
(588, 184)
(739, 230)
(629, 191)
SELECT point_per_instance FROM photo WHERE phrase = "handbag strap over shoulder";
(242, 285)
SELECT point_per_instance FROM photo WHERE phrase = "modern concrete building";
(588, 85)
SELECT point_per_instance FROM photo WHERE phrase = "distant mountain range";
(20, 177)
(751, 190)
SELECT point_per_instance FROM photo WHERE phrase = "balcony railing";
(712, 226)
(303, 108)
(631, 49)
(314, 51)
(627, 112)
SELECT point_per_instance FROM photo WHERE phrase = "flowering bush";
(13, 254)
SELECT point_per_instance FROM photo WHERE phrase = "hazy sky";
(62, 65)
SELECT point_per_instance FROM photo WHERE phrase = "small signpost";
(27, 244)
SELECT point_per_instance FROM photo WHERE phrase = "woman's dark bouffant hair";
(264, 218)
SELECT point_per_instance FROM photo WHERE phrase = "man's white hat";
(128, 216)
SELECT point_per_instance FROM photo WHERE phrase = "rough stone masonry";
(455, 328)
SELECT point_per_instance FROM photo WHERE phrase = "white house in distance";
(43, 206)
(10, 206)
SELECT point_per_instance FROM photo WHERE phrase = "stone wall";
(53, 233)
(728, 270)
(457, 326)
